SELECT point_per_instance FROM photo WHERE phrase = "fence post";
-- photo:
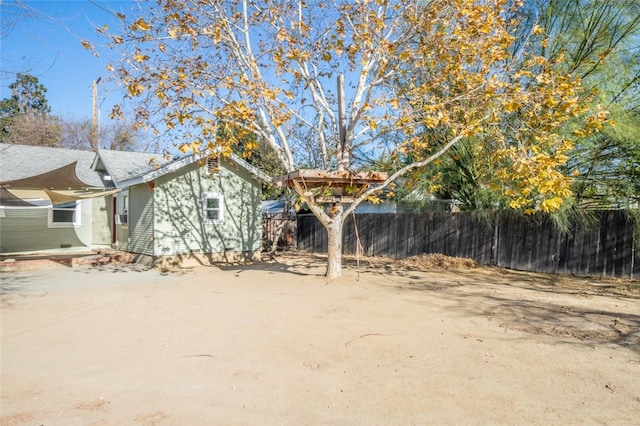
(495, 240)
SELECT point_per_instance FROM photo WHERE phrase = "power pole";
(94, 128)
(343, 160)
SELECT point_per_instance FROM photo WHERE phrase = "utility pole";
(343, 161)
(94, 128)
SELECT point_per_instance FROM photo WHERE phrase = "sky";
(42, 38)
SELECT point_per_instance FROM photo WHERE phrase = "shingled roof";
(20, 162)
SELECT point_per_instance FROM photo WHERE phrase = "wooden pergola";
(336, 187)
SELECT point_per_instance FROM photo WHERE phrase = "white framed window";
(64, 215)
(213, 210)
(123, 209)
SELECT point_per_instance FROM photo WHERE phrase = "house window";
(64, 215)
(213, 211)
(123, 208)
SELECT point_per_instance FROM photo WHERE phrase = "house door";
(114, 212)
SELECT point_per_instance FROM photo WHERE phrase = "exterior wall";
(25, 229)
(100, 217)
(180, 228)
(121, 230)
(141, 220)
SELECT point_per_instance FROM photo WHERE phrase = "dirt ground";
(418, 342)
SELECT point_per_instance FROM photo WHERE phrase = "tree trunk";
(334, 250)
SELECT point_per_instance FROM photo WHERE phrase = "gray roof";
(124, 165)
(177, 163)
(23, 161)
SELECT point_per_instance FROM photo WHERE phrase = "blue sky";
(45, 42)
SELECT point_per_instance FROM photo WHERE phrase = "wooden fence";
(528, 243)
(278, 227)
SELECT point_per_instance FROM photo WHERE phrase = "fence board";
(507, 240)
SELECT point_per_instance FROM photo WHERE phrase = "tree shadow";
(303, 266)
(537, 304)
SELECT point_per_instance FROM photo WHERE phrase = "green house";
(200, 208)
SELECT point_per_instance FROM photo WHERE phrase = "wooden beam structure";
(317, 178)
(329, 186)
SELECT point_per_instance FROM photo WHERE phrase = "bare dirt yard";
(392, 343)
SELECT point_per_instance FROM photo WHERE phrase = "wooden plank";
(522, 242)
(336, 199)
(317, 178)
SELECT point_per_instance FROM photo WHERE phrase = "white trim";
(123, 209)
(77, 217)
(178, 164)
(205, 209)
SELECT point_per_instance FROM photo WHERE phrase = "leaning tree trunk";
(334, 249)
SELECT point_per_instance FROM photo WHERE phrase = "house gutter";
(178, 164)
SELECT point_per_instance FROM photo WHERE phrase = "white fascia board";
(176, 165)
(98, 158)
(251, 169)
(153, 175)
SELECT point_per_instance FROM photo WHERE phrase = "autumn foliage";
(421, 76)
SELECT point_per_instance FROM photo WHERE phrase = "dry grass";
(437, 261)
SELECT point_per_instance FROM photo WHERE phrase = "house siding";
(101, 212)
(26, 229)
(179, 225)
(141, 220)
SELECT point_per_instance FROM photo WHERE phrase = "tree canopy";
(25, 116)
(596, 42)
(270, 69)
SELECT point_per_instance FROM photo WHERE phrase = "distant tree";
(25, 116)
(271, 67)
(116, 135)
(76, 134)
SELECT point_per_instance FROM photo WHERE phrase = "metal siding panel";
(25, 229)
(178, 212)
(141, 220)
(101, 214)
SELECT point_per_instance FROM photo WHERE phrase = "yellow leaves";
(537, 30)
(542, 79)
(136, 89)
(86, 44)
(280, 119)
(551, 204)
(217, 34)
(140, 25)
(281, 35)
(139, 57)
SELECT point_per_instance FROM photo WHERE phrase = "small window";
(213, 208)
(65, 215)
(123, 209)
